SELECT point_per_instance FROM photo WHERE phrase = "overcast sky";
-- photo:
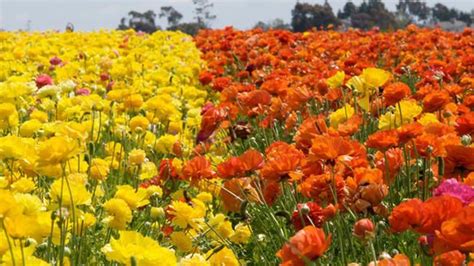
(90, 15)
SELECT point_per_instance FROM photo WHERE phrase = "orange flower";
(435, 101)
(457, 232)
(398, 260)
(436, 210)
(310, 127)
(282, 158)
(329, 147)
(251, 160)
(233, 167)
(406, 215)
(465, 124)
(459, 158)
(255, 98)
(410, 131)
(319, 188)
(198, 168)
(451, 258)
(308, 244)
(350, 126)
(395, 92)
(383, 139)
(237, 190)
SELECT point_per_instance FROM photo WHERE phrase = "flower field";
(237, 148)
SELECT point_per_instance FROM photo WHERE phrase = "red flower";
(395, 92)
(198, 168)
(451, 258)
(309, 243)
(436, 100)
(383, 140)
(310, 213)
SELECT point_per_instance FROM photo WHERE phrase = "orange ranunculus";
(310, 127)
(255, 98)
(368, 176)
(383, 139)
(198, 168)
(282, 158)
(459, 158)
(397, 260)
(237, 190)
(451, 258)
(406, 215)
(320, 188)
(436, 210)
(395, 92)
(410, 131)
(351, 126)
(233, 167)
(393, 164)
(457, 232)
(251, 160)
(308, 244)
(435, 101)
(329, 147)
(465, 124)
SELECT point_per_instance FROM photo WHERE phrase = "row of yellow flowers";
(85, 120)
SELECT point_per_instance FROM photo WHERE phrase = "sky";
(90, 15)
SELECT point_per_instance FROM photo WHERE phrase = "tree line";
(305, 16)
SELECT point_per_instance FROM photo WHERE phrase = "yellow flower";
(73, 195)
(133, 101)
(194, 260)
(7, 202)
(428, 118)
(242, 234)
(8, 115)
(341, 115)
(182, 241)
(224, 256)
(23, 256)
(99, 169)
(186, 215)
(23, 185)
(28, 128)
(205, 197)
(119, 213)
(57, 150)
(148, 170)
(134, 199)
(144, 250)
(394, 119)
(222, 228)
(137, 156)
(139, 123)
(336, 80)
(164, 144)
(375, 77)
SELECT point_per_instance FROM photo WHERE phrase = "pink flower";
(43, 80)
(453, 188)
(83, 91)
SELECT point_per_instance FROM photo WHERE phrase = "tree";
(347, 11)
(172, 15)
(191, 28)
(306, 16)
(202, 12)
(277, 23)
(144, 22)
(373, 14)
(441, 12)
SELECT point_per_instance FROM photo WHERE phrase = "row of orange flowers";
(358, 115)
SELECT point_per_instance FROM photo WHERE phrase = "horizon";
(90, 15)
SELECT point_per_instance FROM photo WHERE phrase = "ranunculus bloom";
(43, 80)
(363, 228)
(383, 140)
(310, 243)
(395, 92)
(451, 258)
(453, 188)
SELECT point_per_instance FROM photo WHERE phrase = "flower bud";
(364, 228)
